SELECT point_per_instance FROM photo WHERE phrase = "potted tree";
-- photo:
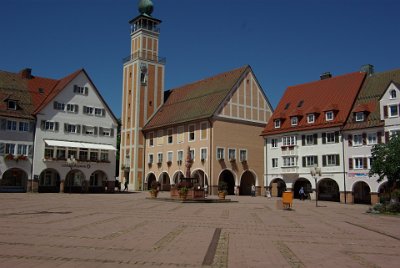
(154, 189)
(183, 189)
(222, 189)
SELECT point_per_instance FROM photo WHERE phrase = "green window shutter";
(56, 126)
(30, 150)
(324, 160)
(350, 140)
(365, 163)
(316, 160)
(315, 138)
(304, 161)
(2, 147)
(336, 136)
(350, 163)
(364, 138)
(323, 138)
(337, 160)
(43, 125)
(303, 141)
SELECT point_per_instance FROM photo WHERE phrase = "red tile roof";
(337, 94)
(198, 100)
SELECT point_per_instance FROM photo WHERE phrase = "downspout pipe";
(344, 169)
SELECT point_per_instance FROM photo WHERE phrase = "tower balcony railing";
(142, 55)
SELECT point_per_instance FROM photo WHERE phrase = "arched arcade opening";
(328, 190)
(228, 177)
(361, 193)
(164, 182)
(49, 181)
(302, 182)
(74, 182)
(14, 180)
(96, 184)
(150, 179)
(277, 187)
(246, 181)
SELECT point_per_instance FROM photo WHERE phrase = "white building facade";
(75, 139)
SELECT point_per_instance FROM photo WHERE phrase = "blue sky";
(286, 42)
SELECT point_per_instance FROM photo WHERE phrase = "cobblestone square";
(129, 230)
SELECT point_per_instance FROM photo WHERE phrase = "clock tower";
(142, 93)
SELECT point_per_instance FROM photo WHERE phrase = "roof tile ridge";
(208, 78)
(325, 80)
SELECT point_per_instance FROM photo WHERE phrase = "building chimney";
(367, 68)
(325, 75)
(26, 73)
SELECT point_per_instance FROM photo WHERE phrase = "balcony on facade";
(145, 55)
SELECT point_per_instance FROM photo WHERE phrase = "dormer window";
(277, 123)
(393, 94)
(329, 116)
(294, 121)
(359, 116)
(310, 118)
(11, 105)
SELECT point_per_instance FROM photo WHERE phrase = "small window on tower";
(143, 74)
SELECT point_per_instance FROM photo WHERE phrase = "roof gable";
(374, 87)
(198, 100)
(336, 94)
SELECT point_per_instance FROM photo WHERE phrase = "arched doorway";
(164, 181)
(302, 182)
(246, 181)
(229, 179)
(201, 177)
(74, 182)
(14, 180)
(96, 182)
(150, 179)
(361, 193)
(277, 186)
(177, 177)
(328, 190)
(49, 181)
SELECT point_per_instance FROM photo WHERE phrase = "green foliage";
(386, 161)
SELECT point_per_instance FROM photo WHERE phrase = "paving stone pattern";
(129, 230)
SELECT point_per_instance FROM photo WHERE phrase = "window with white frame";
(151, 139)
(203, 130)
(83, 154)
(220, 153)
(274, 162)
(169, 157)
(310, 139)
(191, 133)
(310, 118)
(160, 137)
(106, 132)
(372, 138)
(180, 156)
(310, 160)
(160, 158)
(150, 159)
(48, 152)
(89, 130)
(22, 149)
(232, 154)
(94, 155)
(203, 154)
(370, 160)
(393, 94)
(99, 112)
(61, 153)
(10, 148)
(274, 143)
(289, 140)
(71, 128)
(277, 123)
(81, 90)
(330, 137)
(357, 140)
(294, 120)
(59, 106)
(88, 110)
(192, 155)
(104, 155)
(393, 110)
(23, 126)
(331, 160)
(243, 155)
(329, 116)
(11, 125)
(359, 116)
(289, 161)
(358, 163)
(170, 139)
(48, 125)
(72, 108)
(180, 136)
(394, 132)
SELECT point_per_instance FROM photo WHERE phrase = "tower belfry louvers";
(143, 92)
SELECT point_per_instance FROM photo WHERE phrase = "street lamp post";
(315, 172)
(71, 162)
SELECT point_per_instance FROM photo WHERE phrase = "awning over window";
(80, 145)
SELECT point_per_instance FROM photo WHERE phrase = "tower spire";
(145, 7)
